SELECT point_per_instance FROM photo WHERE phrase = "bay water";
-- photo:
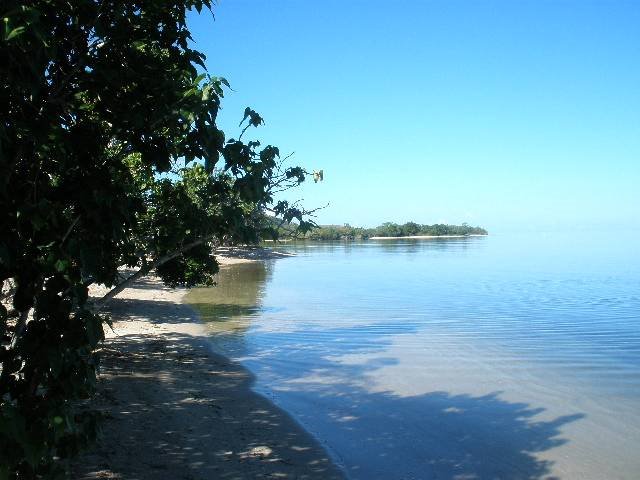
(512, 356)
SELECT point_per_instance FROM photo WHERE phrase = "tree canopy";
(110, 156)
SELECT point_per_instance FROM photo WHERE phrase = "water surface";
(474, 358)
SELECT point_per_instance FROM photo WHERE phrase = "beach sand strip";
(175, 410)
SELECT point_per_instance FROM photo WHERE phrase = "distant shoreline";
(429, 236)
(387, 229)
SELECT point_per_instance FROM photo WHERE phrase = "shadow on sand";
(178, 411)
(174, 410)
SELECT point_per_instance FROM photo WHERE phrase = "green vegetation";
(388, 229)
(109, 156)
(410, 229)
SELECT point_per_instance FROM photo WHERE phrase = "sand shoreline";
(175, 410)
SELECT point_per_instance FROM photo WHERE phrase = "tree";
(109, 156)
(410, 228)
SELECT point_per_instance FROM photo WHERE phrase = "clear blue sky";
(506, 114)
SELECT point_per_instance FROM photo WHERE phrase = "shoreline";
(174, 409)
(422, 237)
(232, 255)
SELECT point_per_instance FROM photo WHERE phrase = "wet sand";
(175, 410)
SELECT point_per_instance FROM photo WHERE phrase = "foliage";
(336, 232)
(109, 156)
(409, 229)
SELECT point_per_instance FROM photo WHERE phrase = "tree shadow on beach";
(178, 411)
(174, 410)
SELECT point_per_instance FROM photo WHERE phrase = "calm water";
(475, 358)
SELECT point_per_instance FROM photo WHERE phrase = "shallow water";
(477, 358)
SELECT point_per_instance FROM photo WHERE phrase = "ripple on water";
(403, 347)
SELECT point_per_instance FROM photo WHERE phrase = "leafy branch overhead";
(110, 156)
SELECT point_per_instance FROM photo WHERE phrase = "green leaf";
(61, 265)
(14, 33)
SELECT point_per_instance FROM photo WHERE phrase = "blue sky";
(512, 115)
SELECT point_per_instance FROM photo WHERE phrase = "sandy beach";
(175, 410)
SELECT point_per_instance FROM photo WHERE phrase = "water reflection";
(381, 434)
(404, 245)
(395, 350)
(229, 306)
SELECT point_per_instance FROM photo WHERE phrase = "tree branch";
(70, 229)
(148, 268)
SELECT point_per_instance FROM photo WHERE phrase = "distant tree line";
(388, 229)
